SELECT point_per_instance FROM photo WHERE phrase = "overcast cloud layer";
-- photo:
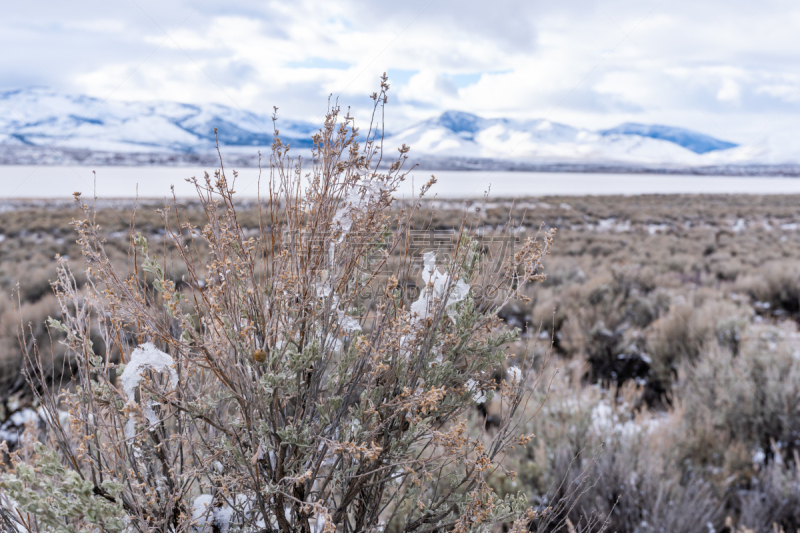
(727, 68)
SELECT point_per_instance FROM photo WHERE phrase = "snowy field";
(22, 181)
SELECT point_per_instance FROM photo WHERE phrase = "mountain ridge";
(43, 118)
(692, 140)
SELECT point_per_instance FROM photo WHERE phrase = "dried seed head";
(260, 355)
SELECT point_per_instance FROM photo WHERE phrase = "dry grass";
(665, 317)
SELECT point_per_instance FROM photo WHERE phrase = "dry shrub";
(614, 303)
(679, 336)
(685, 469)
(594, 453)
(741, 427)
(29, 322)
(772, 503)
(727, 269)
(602, 321)
(751, 397)
(35, 284)
(562, 271)
(299, 389)
(8, 338)
(776, 284)
(689, 330)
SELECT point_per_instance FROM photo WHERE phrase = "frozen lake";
(154, 182)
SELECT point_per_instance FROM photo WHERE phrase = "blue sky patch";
(400, 76)
(465, 80)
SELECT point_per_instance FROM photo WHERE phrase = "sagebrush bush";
(290, 384)
(777, 284)
(694, 467)
(611, 464)
(751, 397)
(28, 324)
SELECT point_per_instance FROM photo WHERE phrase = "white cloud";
(730, 92)
(429, 89)
(784, 91)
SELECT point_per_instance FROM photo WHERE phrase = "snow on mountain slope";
(40, 117)
(43, 117)
(696, 142)
(456, 134)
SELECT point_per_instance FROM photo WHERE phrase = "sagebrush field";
(672, 397)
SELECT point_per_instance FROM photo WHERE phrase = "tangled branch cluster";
(287, 383)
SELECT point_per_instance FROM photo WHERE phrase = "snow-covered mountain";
(37, 119)
(42, 117)
(691, 140)
(543, 143)
(456, 134)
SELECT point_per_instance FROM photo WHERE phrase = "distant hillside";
(696, 142)
(39, 122)
(457, 134)
(42, 117)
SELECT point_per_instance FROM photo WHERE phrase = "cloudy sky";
(728, 68)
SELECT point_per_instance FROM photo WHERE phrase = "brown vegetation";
(674, 321)
(222, 379)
